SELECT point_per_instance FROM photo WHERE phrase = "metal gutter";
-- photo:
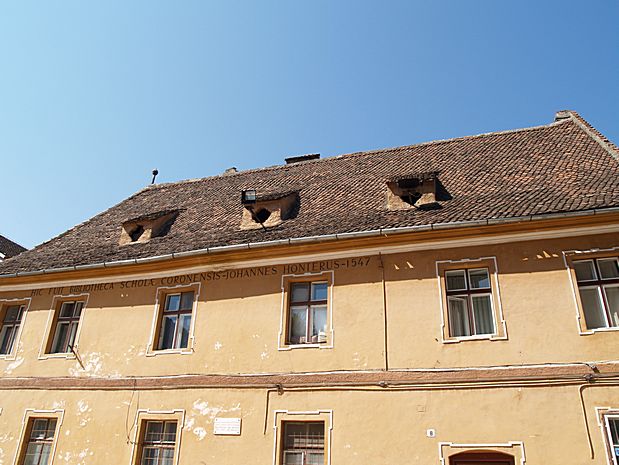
(384, 232)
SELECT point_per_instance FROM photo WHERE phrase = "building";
(454, 302)
(8, 248)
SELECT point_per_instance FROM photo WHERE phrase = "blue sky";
(93, 96)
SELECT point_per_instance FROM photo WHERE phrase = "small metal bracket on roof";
(155, 173)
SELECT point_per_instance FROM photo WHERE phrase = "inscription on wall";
(210, 276)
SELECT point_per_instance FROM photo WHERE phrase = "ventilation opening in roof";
(414, 191)
(146, 227)
(267, 210)
(262, 215)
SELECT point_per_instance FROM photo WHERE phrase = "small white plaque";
(227, 426)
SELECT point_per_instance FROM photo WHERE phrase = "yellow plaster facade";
(395, 386)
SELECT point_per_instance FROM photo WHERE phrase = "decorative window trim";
(500, 325)
(57, 301)
(6, 302)
(30, 413)
(281, 416)
(328, 276)
(143, 415)
(515, 448)
(602, 415)
(162, 292)
(569, 256)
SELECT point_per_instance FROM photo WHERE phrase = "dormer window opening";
(267, 210)
(146, 227)
(413, 191)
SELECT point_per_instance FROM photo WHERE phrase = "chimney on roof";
(301, 158)
(231, 170)
(563, 114)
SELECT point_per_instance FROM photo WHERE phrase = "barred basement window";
(303, 443)
(598, 286)
(38, 449)
(176, 321)
(469, 302)
(307, 313)
(10, 322)
(158, 443)
(65, 328)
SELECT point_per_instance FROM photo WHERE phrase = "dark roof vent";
(301, 158)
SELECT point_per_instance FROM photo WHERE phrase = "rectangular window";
(38, 448)
(469, 302)
(598, 286)
(176, 321)
(158, 443)
(65, 328)
(613, 437)
(303, 443)
(307, 313)
(9, 326)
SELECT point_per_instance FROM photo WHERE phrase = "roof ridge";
(360, 153)
(593, 133)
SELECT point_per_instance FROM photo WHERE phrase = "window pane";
(6, 339)
(186, 301)
(169, 434)
(51, 428)
(12, 313)
(482, 312)
(609, 268)
(167, 456)
(319, 291)
(614, 430)
(182, 340)
(479, 279)
(455, 280)
(172, 302)
(77, 310)
(72, 333)
(39, 429)
(154, 431)
(585, 271)
(293, 458)
(168, 328)
(66, 311)
(298, 324)
(458, 317)
(592, 306)
(612, 297)
(315, 458)
(300, 292)
(59, 344)
(319, 323)
(34, 452)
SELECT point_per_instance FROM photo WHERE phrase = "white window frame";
(281, 416)
(37, 413)
(12, 355)
(50, 326)
(160, 299)
(144, 415)
(570, 256)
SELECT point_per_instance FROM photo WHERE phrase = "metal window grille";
(158, 443)
(38, 449)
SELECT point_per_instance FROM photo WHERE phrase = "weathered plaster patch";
(93, 366)
(200, 433)
(265, 353)
(13, 365)
(218, 345)
(83, 410)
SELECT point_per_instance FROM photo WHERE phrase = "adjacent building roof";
(8, 248)
(564, 166)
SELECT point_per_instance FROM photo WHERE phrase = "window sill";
(588, 332)
(322, 345)
(478, 337)
(184, 351)
(58, 355)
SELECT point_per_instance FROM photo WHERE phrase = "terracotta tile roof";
(565, 166)
(8, 248)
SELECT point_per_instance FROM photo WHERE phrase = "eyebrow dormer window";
(413, 191)
(144, 228)
(267, 210)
